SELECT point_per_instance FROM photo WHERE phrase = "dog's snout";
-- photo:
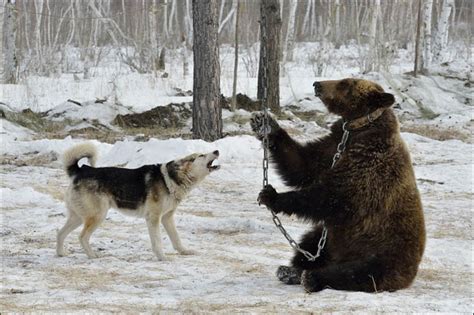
(216, 152)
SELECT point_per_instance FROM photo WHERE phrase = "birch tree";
(337, 24)
(38, 4)
(372, 63)
(9, 50)
(441, 36)
(427, 15)
(417, 41)
(188, 21)
(236, 56)
(207, 112)
(290, 34)
(165, 18)
(2, 20)
(231, 13)
(154, 36)
(47, 29)
(307, 16)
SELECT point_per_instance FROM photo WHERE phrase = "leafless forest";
(51, 35)
(129, 76)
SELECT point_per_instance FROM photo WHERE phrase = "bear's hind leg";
(361, 275)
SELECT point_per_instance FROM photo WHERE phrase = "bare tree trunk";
(427, 53)
(165, 19)
(9, 50)
(441, 36)
(27, 26)
(172, 16)
(290, 33)
(223, 22)
(38, 43)
(417, 42)
(184, 55)
(337, 24)
(221, 11)
(207, 112)
(307, 18)
(188, 23)
(153, 19)
(236, 57)
(373, 62)
(2, 23)
(270, 24)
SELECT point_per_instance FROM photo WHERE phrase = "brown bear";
(358, 183)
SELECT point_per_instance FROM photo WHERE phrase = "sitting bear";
(362, 191)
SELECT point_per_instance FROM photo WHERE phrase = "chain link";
(341, 147)
(266, 130)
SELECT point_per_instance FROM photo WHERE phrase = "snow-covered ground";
(238, 246)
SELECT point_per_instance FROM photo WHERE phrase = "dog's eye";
(201, 155)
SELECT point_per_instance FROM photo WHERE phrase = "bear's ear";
(383, 99)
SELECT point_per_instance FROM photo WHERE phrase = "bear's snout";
(317, 88)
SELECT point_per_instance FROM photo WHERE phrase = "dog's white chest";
(168, 203)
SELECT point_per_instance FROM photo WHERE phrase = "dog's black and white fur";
(150, 191)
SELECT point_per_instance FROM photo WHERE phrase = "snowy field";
(238, 247)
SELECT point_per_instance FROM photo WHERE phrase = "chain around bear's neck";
(351, 126)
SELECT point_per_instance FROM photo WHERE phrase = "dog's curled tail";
(77, 152)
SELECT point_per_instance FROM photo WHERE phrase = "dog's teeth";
(213, 167)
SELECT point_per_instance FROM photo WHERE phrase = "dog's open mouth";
(212, 167)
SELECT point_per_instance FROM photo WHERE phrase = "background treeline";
(142, 28)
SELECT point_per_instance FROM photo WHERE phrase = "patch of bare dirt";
(169, 116)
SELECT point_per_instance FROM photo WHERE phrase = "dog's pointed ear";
(382, 99)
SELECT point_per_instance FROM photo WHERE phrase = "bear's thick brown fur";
(369, 200)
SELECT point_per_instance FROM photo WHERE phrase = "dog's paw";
(267, 196)
(61, 252)
(187, 252)
(289, 275)
(257, 123)
(164, 258)
(92, 255)
(311, 282)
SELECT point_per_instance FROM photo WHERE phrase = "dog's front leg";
(153, 223)
(170, 227)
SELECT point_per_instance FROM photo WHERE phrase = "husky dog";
(151, 191)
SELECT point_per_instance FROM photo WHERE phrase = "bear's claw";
(289, 275)
(257, 125)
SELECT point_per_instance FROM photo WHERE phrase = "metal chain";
(341, 147)
(266, 131)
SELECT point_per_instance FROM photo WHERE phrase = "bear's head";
(352, 98)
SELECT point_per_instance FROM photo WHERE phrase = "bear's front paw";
(310, 281)
(258, 126)
(289, 275)
(267, 196)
